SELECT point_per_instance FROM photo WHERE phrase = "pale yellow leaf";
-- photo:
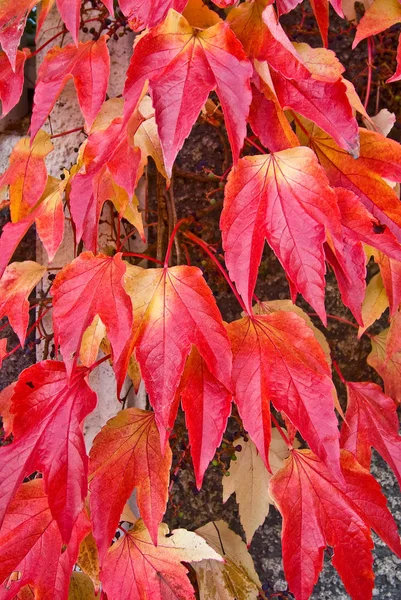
(236, 579)
(91, 341)
(146, 137)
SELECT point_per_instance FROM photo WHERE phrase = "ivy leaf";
(173, 310)
(268, 197)
(387, 365)
(11, 82)
(374, 304)
(26, 175)
(379, 157)
(371, 420)
(249, 481)
(175, 56)
(150, 571)
(70, 12)
(236, 578)
(318, 511)
(207, 406)
(91, 286)
(46, 408)
(13, 16)
(16, 284)
(31, 544)
(148, 14)
(126, 454)
(88, 65)
(50, 218)
(277, 358)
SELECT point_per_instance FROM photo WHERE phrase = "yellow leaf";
(199, 15)
(91, 341)
(374, 304)
(146, 137)
(81, 587)
(88, 559)
(236, 579)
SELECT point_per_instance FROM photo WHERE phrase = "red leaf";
(153, 572)
(207, 406)
(49, 219)
(148, 14)
(323, 102)
(183, 65)
(278, 359)
(3, 352)
(11, 236)
(379, 157)
(31, 544)
(70, 12)
(390, 271)
(16, 284)
(48, 415)
(321, 11)
(371, 420)
(125, 455)
(285, 198)
(88, 65)
(6, 396)
(173, 309)
(11, 82)
(89, 286)
(13, 16)
(318, 511)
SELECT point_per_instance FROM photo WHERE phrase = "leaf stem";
(205, 247)
(338, 371)
(99, 362)
(281, 432)
(255, 145)
(57, 135)
(172, 236)
(145, 256)
(54, 37)
(369, 82)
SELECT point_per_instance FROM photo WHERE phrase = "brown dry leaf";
(236, 579)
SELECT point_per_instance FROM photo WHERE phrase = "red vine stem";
(54, 37)
(172, 236)
(27, 333)
(99, 362)
(57, 135)
(145, 256)
(340, 319)
(205, 247)
(281, 432)
(255, 145)
(338, 371)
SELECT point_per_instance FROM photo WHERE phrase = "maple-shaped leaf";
(26, 175)
(31, 545)
(182, 66)
(318, 511)
(390, 271)
(150, 571)
(11, 82)
(387, 365)
(89, 67)
(277, 358)
(267, 118)
(379, 157)
(110, 169)
(249, 480)
(174, 309)
(47, 409)
(16, 284)
(207, 406)
(371, 420)
(148, 14)
(380, 15)
(236, 578)
(13, 16)
(126, 454)
(256, 25)
(286, 199)
(90, 286)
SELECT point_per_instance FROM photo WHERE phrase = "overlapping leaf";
(11, 82)
(13, 16)
(182, 65)
(16, 284)
(387, 365)
(148, 14)
(371, 420)
(150, 571)
(207, 406)
(285, 198)
(277, 358)
(88, 64)
(126, 454)
(31, 544)
(173, 309)
(90, 286)
(318, 511)
(46, 408)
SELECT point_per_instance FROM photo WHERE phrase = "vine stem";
(99, 362)
(54, 37)
(205, 247)
(340, 319)
(57, 135)
(369, 83)
(255, 145)
(281, 432)
(27, 333)
(172, 236)
(338, 371)
(145, 256)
